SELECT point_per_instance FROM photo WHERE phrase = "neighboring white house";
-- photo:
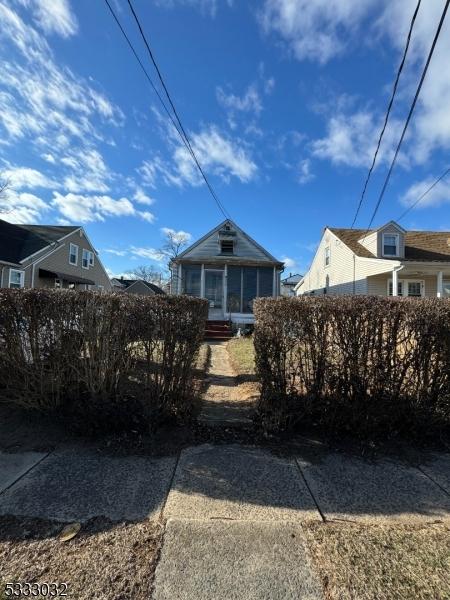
(230, 270)
(287, 285)
(385, 261)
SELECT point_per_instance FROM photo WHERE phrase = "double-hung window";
(390, 244)
(85, 259)
(327, 256)
(73, 254)
(16, 278)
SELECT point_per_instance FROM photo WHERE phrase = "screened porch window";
(244, 284)
(192, 280)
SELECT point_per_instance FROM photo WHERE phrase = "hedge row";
(106, 361)
(367, 365)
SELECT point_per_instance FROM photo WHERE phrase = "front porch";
(413, 280)
(229, 288)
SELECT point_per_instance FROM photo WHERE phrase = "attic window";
(226, 246)
(390, 244)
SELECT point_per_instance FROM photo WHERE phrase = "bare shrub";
(105, 361)
(365, 365)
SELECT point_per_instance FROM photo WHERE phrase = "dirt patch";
(106, 561)
(381, 562)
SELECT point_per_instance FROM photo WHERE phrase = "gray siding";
(210, 248)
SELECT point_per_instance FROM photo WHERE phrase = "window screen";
(234, 289)
(248, 288)
(265, 283)
(191, 276)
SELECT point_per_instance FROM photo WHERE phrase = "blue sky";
(283, 101)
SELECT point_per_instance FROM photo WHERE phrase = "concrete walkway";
(221, 406)
(233, 513)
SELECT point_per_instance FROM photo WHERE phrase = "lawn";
(242, 355)
(381, 562)
(105, 560)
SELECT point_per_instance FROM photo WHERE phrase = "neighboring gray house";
(49, 256)
(135, 286)
(230, 270)
(287, 286)
(384, 262)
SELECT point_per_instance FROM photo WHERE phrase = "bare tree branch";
(5, 186)
(147, 273)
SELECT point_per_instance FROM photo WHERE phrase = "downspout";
(395, 271)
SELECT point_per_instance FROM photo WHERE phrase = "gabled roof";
(216, 230)
(426, 246)
(292, 279)
(129, 282)
(18, 242)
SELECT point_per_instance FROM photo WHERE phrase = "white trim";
(85, 252)
(40, 260)
(440, 284)
(22, 278)
(404, 282)
(397, 245)
(75, 264)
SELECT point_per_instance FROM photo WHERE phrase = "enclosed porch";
(229, 288)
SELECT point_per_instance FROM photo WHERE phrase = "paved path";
(234, 513)
(221, 406)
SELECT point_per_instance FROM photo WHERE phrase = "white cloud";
(206, 7)
(115, 252)
(249, 102)
(289, 263)
(439, 195)
(141, 197)
(304, 171)
(177, 236)
(146, 215)
(26, 178)
(150, 253)
(316, 30)
(22, 207)
(80, 208)
(53, 16)
(217, 154)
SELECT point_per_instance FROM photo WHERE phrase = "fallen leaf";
(69, 532)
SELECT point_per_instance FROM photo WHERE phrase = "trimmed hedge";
(368, 366)
(104, 361)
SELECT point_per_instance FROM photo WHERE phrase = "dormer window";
(391, 244)
(226, 246)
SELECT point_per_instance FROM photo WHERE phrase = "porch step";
(218, 330)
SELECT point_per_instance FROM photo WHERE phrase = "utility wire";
(422, 196)
(184, 136)
(155, 89)
(163, 104)
(411, 110)
(391, 101)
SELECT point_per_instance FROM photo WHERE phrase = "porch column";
(395, 282)
(274, 290)
(440, 284)
(202, 282)
(225, 288)
(179, 286)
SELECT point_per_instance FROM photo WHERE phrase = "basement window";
(226, 247)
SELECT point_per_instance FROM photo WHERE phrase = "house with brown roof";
(388, 261)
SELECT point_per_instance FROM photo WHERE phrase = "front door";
(214, 289)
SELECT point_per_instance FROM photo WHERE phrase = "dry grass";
(382, 562)
(242, 355)
(105, 561)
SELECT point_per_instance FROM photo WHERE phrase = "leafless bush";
(104, 360)
(367, 365)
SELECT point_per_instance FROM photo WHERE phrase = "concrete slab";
(234, 560)
(13, 466)
(437, 467)
(78, 485)
(238, 482)
(350, 488)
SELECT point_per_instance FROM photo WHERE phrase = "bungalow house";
(388, 261)
(230, 270)
(56, 256)
(135, 286)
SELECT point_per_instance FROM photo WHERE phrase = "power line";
(422, 196)
(411, 110)
(178, 129)
(391, 101)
